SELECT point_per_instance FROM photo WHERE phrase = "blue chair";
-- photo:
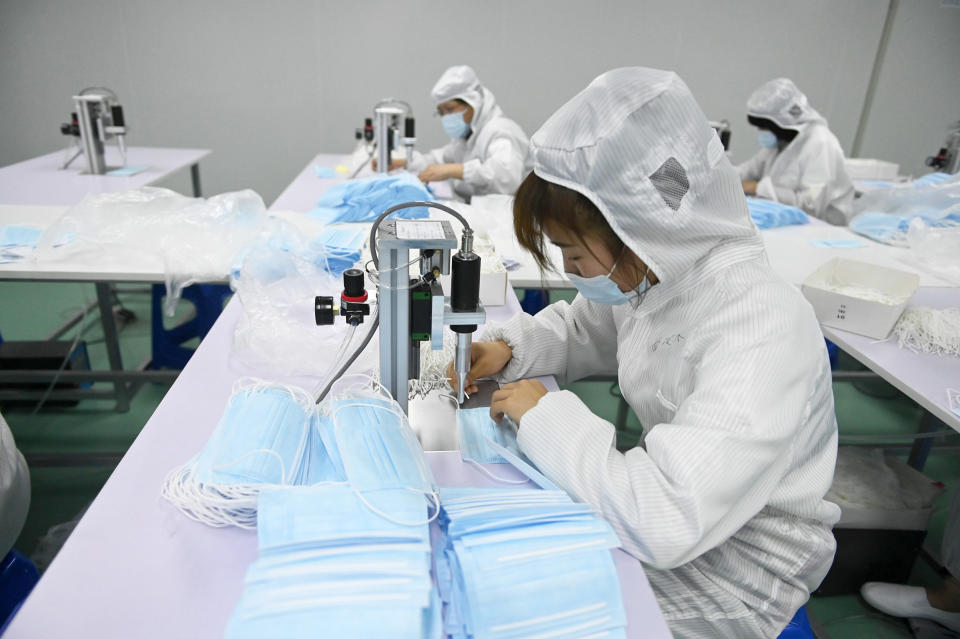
(534, 300)
(18, 576)
(833, 352)
(167, 343)
(799, 627)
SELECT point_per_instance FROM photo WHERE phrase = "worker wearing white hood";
(800, 162)
(487, 152)
(14, 489)
(722, 360)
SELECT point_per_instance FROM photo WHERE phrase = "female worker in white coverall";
(721, 359)
(487, 152)
(800, 162)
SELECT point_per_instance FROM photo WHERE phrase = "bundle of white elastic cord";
(930, 330)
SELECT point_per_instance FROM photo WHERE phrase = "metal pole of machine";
(89, 133)
(383, 120)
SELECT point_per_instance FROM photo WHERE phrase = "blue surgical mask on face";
(766, 139)
(455, 126)
(603, 290)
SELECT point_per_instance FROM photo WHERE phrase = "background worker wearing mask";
(487, 152)
(801, 162)
(722, 360)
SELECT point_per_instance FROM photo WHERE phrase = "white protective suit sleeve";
(500, 172)
(14, 489)
(701, 477)
(818, 163)
(752, 169)
(442, 155)
(571, 341)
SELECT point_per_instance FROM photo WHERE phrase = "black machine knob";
(323, 310)
(368, 129)
(353, 283)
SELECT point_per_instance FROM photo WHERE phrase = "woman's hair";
(767, 124)
(539, 202)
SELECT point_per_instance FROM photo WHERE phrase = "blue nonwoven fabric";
(364, 200)
(17, 235)
(891, 229)
(768, 214)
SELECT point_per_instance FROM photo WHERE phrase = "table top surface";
(137, 567)
(41, 181)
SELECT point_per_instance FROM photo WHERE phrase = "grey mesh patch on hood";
(671, 182)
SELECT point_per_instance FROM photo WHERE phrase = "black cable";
(376, 264)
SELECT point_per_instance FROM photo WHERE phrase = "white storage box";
(861, 298)
(869, 169)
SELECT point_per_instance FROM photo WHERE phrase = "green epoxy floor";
(33, 310)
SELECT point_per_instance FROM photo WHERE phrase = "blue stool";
(534, 300)
(18, 576)
(167, 348)
(799, 627)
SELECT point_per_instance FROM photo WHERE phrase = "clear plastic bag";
(885, 215)
(936, 248)
(195, 239)
(277, 332)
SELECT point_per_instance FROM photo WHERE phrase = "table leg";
(921, 447)
(112, 342)
(195, 178)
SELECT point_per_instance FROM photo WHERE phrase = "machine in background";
(413, 310)
(948, 158)
(722, 127)
(98, 118)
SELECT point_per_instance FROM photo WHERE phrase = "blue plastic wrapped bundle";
(363, 200)
(885, 215)
(931, 179)
(768, 214)
(521, 563)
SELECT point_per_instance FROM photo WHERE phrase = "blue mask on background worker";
(455, 126)
(766, 139)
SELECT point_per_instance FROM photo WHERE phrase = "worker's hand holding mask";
(516, 399)
(486, 359)
(440, 172)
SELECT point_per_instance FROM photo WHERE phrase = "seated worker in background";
(801, 162)
(721, 359)
(941, 604)
(487, 152)
(14, 490)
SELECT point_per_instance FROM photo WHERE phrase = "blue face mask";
(766, 139)
(261, 439)
(455, 126)
(603, 290)
(515, 574)
(476, 428)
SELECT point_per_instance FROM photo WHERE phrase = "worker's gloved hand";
(516, 399)
(394, 164)
(486, 359)
(440, 172)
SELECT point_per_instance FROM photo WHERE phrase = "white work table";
(137, 567)
(41, 181)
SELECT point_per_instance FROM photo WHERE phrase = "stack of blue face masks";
(341, 245)
(268, 435)
(522, 563)
(889, 228)
(364, 200)
(931, 178)
(328, 566)
(768, 214)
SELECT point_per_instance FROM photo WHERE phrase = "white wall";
(918, 92)
(268, 85)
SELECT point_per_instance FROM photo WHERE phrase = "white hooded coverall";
(494, 155)
(809, 172)
(722, 361)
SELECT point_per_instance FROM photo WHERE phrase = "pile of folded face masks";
(273, 435)
(329, 566)
(526, 563)
(342, 245)
(885, 215)
(768, 214)
(364, 200)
